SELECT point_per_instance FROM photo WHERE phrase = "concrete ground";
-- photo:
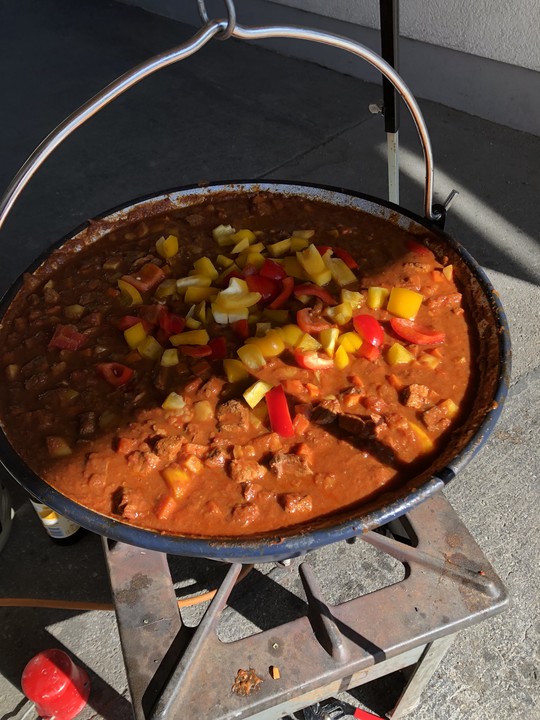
(235, 111)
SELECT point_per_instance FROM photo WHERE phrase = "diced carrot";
(313, 390)
(304, 451)
(437, 276)
(300, 423)
(125, 445)
(356, 380)
(351, 399)
(437, 352)
(293, 387)
(192, 386)
(395, 382)
(165, 507)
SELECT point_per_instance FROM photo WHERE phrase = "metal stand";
(178, 672)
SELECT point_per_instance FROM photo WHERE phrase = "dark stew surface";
(236, 367)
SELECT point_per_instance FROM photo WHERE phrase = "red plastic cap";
(57, 686)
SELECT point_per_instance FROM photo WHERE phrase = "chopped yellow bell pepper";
(404, 303)
(350, 341)
(150, 348)
(307, 342)
(225, 316)
(236, 296)
(448, 272)
(200, 311)
(169, 358)
(197, 294)
(292, 267)
(310, 259)
(354, 298)
(328, 340)
(240, 246)
(429, 360)
(250, 257)
(166, 288)
(223, 261)
(291, 334)
(192, 323)
(223, 235)
(341, 359)
(235, 370)
(173, 401)
(228, 270)
(251, 356)
(398, 355)
(135, 334)
(193, 281)
(243, 234)
(190, 337)
(340, 314)
(270, 344)
(130, 292)
(303, 234)
(298, 243)
(204, 266)
(377, 297)
(341, 274)
(255, 393)
(167, 247)
(322, 278)
(280, 248)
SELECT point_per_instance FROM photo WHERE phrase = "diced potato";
(251, 356)
(204, 266)
(202, 411)
(134, 335)
(399, 355)
(169, 358)
(449, 408)
(448, 272)
(190, 337)
(404, 303)
(150, 348)
(425, 442)
(167, 247)
(429, 360)
(235, 370)
(328, 340)
(131, 293)
(57, 446)
(255, 393)
(74, 312)
(377, 297)
(173, 401)
(177, 480)
(112, 263)
(280, 248)
(341, 358)
(223, 235)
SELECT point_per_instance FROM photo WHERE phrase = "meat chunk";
(326, 412)
(289, 464)
(167, 448)
(453, 300)
(250, 490)
(295, 502)
(130, 504)
(87, 424)
(142, 462)
(245, 513)
(435, 419)
(195, 219)
(419, 396)
(246, 470)
(232, 416)
(362, 427)
(216, 458)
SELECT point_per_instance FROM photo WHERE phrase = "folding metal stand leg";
(421, 675)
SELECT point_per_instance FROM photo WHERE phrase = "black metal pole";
(389, 12)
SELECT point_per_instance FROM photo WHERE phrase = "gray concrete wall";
(502, 92)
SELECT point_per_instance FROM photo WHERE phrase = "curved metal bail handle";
(206, 33)
(258, 33)
(97, 103)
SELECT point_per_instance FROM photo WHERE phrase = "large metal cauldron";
(493, 344)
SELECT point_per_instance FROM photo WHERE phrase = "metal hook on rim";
(231, 23)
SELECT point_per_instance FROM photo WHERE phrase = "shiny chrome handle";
(206, 33)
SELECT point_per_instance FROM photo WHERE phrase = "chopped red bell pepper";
(171, 324)
(347, 258)
(146, 278)
(309, 322)
(129, 320)
(269, 289)
(312, 360)
(416, 247)
(218, 345)
(417, 334)
(278, 412)
(285, 294)
(67, 337)
(248, 270)
(114, 373)
(152, 313)
(272, 270)
(241, 328)
(369, 352)
(196, 351)
(369, 329)
(315, 290)
(324, 249)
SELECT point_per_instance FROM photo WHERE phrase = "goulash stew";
(235, 367)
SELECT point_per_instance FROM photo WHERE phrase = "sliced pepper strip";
(278, 412)
(312, 360)
(311, 289)
(285, 294)
(114, 373)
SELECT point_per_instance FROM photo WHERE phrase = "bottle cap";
(58, 688)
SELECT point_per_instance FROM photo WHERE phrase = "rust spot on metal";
(245, 682)
(131, 594)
